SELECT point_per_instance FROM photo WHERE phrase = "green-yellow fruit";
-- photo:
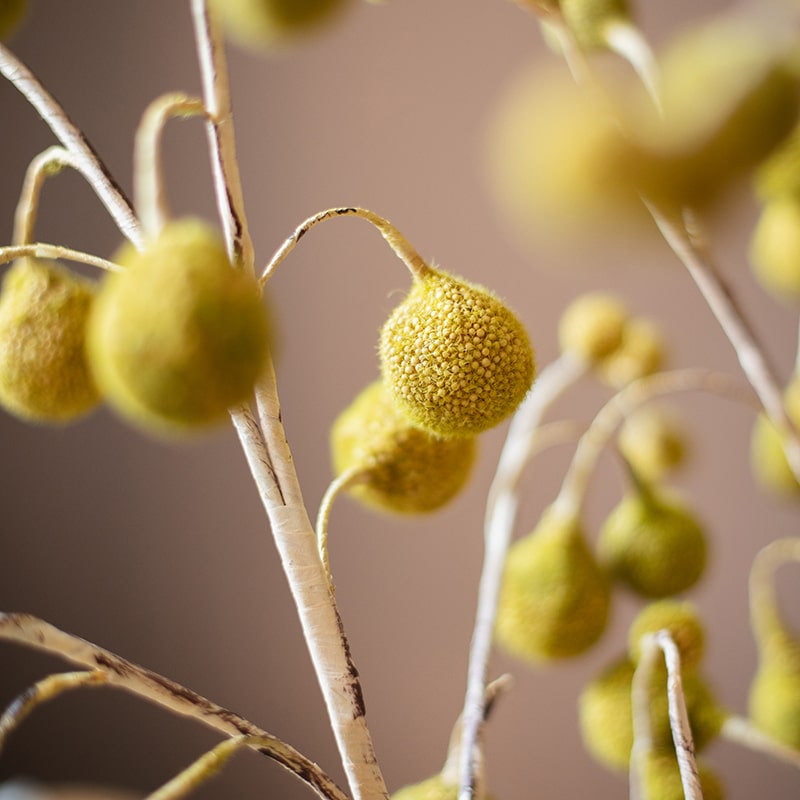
(434, 788)
(641, 353)
(264, 23)
(775, 248)
(11, 14)
(677, 617)
(588, 20)
(779, 176)
(179, 336)
(661, 779)
(555, 599)
(44, 376)
(591, 327)
(652, 441)
(406, 469)
(767, 455)
(455, 358)
(654, 544)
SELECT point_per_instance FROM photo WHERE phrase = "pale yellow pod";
(680, 619)
(775, 248)
(12, 13)
(433, 788)
(588, 20)
(591, 327)
(653, 441)
(661, 779)
(641, 353)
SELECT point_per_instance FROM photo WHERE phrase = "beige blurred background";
(162, 553)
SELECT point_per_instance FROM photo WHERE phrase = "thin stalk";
(55, 251)
(742, 731)
(498, 527)
(73, 139)
(122, 674)
(765, 616)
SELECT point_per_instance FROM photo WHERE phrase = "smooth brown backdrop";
(161, 552)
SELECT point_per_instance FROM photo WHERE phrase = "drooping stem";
(765, 614)
(401, 246)
(498, 526)
(73, 139)
(743, 732)
(55, 251)
(123, 674)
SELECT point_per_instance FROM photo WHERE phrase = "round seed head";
(555, 599)
(774, 701)
(588, 20)
(775, 248)
(11, 15)
(455, 358)
(265, 23)
(44, 376)
(180, 336)
(406, 469)
(661, 778)
(654, 544)
(640, 353)
(653, 442)
(677, 617)
(591, 327)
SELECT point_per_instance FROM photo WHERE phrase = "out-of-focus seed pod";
(591, 327)
(641, 353)
(589, 20)
(652, 441)
(775, 248)
(680, 620)
(661, 779)
(12, 13)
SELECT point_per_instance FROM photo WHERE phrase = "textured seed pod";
(653, 544)
(604, 711)
(589, 20)
(44, 376)
(680, 619)
(640, 353)
(455, 358)
(407, 470)
(767, 455)
(661, 779)
(555, 599)
(265, 23)
(775, 248)
(653, 442)
(179, 336)
(11, 15)
(591, 327)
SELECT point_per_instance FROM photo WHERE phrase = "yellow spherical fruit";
(680, 619)
(652, 441)
(779, 176)
(44, 309)
(405, 469)
(434, 788)
(661, 779)
(11, 14)
(767, 456)
(264, 23)
(179, 336)
(775, 248)
(774, 700)
(555, 599)
(604, 711)
(653, 544)
(640, 353)
(588, 20)
(591, 327)
(455, 358)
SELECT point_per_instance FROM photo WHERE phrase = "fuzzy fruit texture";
(555, 599)
(406, 469)
(661, 779)
(265, 23)
(44, 376)
(654, 544)
(680, 619)
(455, 357)
(179, 336)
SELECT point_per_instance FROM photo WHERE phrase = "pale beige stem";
(73, 139)
(122, 674)
(401, 246)
(149, 195)
(55, 251)
(742, 731)
(626, 40)
(765, 614)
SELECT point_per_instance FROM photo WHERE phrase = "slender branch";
(73, 139)
(148, 182)
(401, 246)
(498, 527)
(743, 732)
(55, 251)
(626, 40)
(764, 610)
(123, 674)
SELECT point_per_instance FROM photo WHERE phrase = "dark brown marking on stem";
(354, 682)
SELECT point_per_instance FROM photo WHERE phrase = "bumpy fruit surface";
(591, 327)
(680, 619)
(588, 20)
(555, 598)
(652, 442)
(406, 469)
(654, 544)
(661, 779)
(179, 336)
(44, 309)
(262, 23)
(11, 14)
(775, 248)
(455, 358)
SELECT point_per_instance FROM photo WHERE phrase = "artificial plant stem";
(149, 196)
(55, 251)
(498, 527)
(123, 674)
(221, 140)
(73, 139)
(401, 246)
(684, 243)
(742, 731)
(574, 487)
